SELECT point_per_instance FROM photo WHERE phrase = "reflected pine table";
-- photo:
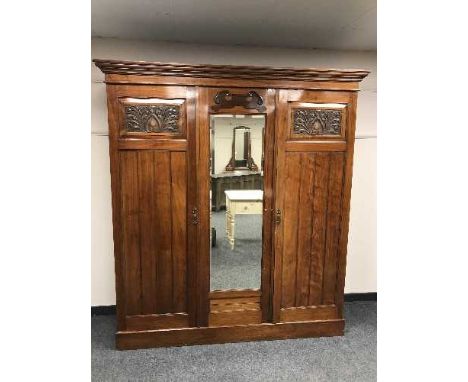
(241, 202)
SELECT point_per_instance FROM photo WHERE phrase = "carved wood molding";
(144, 68)
(225, 100)
(310, 121)
(152, 118)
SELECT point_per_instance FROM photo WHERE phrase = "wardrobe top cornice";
(146, 68)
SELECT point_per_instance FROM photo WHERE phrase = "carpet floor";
(238, 268)
(348, 358)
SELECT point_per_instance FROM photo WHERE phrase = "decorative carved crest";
(226, 100)
(317, 122)
(152, 118)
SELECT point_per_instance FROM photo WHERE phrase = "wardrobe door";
(315, 137)
(236, 131)
(152, 146)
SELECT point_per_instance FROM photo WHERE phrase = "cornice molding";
(144, 68)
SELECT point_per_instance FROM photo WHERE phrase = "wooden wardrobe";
(160, 118)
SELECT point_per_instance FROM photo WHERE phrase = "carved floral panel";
(152, 118)
(311, 121)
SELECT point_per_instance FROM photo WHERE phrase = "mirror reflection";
(241, 156)
(236, 169)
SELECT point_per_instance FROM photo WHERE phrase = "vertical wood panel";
(162, 185)
(192, 195)
(131, 230)
(290, 220)
(179, 229)
(148, 240)
(333, 227)
(203, 188)
(281, 132)
(318, 227)
(306, 195)
(268, 176)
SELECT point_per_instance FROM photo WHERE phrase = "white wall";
(361, 272)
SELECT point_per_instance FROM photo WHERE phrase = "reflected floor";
(239, 268)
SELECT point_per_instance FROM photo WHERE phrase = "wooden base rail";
(200, 336)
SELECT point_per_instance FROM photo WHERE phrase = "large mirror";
(236, 200)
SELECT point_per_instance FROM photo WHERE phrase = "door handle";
(194, 215)
(278, 216)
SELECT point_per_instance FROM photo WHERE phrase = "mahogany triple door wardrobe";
(230, 195)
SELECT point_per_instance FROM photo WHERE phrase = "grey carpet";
(348, 358)
(239, 268)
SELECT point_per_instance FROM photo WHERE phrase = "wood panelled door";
(313, 144)
(153, 169)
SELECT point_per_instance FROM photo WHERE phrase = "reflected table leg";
(232, 230)
(230, 227)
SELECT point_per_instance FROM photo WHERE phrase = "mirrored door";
(235, 196)
(236, 201)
